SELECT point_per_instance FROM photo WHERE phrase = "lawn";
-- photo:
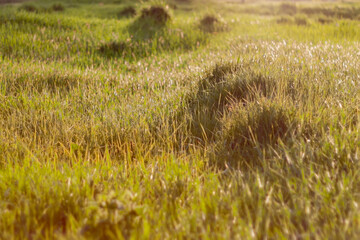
(179, 119)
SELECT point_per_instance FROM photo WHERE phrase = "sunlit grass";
(112, 128)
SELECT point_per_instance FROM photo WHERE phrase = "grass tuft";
(210, 23)
(58, 7)
(113, 48)
(225, 84)
(251, 127)
(157, 14)
(29, 8)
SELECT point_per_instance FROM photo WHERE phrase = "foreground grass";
(176, 197)
(111, 130)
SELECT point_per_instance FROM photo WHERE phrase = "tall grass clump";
(210, 23)
(224, 84)
(247, 130)
(152, 41)
(57, 7)
(152, 33)
(31, 8)
(114, 48)
(28, 8)
(156, 14)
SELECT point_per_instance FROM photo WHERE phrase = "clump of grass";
(258, 122)
(206, 105)
(211, 23)
(148, 39)
(225, 84)
(129, 11)
(29, 8)
(288, 8)
(237, 110)
(248, 128)
(111, 227)
(209, 20)
(58, 7)
(157, 14)
(113, 47)
(301, 20)
(152, 22)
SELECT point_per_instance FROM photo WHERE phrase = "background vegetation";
(180, 119)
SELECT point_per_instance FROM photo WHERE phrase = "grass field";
(186, 119)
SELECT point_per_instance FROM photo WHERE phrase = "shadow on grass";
(127, 12)
(145, 31)
(152, 33)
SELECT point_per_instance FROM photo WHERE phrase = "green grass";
(117, 128)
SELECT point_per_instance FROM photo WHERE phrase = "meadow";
(179, 119)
